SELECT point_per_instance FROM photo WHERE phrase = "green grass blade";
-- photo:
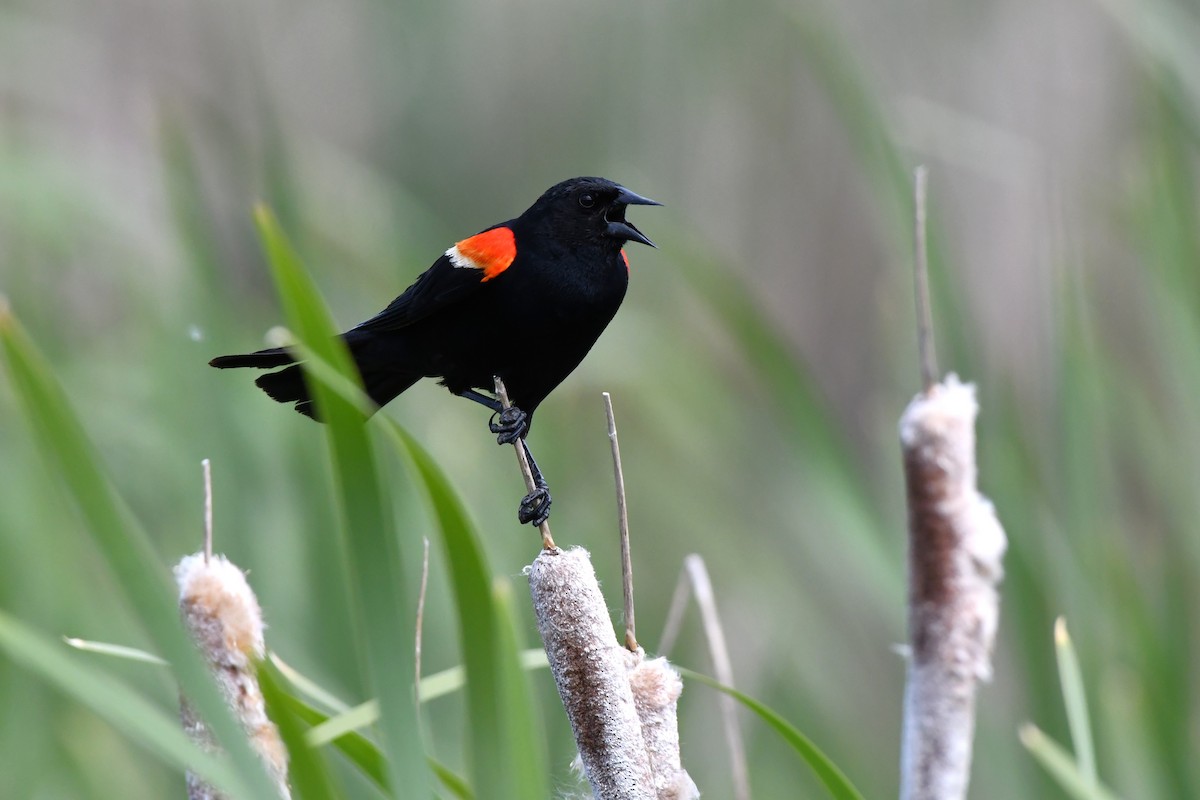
(123, 544)
(831, 777)
(521, 716)
(333, 379)
(789, 383)
(377, 577)
(803, 410)
(506, 757)
(185, 201)
(452, 780)
(361, 716)
(1161, 32)
(1058, 762)
(125, 709)
(1075, 699)
(832, 65)
(360, 750)
(347, 718)
(308, 686)
(307, 770)
(448, 681)
(114, 650)
(363, 753)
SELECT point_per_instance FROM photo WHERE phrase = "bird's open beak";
(628, 198)
(618, 227)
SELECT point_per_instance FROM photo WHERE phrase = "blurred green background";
(758, 368)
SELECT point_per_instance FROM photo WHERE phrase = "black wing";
(440, 286)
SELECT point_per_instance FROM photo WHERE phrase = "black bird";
(524, 300)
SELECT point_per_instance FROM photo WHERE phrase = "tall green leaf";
(1075, 699)
(360, 750)
(127, 710)
(1058, 762)
(126, 548)
(835, 68)
(803, 410)
(506, 754)
(363, 753)
(833, 779)
(507, 759)
(307, 771)
(377, 578)
(521, 718)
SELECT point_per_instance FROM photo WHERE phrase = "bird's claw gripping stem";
(535, 507)
(509, 425)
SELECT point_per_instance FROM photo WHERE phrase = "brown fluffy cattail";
(223, 617)
(656, 688)
(955, 549)
(589, 669)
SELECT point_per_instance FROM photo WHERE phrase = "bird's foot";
(535, 507)
(509, 425)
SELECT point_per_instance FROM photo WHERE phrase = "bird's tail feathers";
(263, 359)
(288, 386)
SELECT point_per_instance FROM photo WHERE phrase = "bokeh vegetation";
(758, 367)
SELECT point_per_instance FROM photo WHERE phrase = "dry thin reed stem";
(695, 575)
(674, 622)
(714, 632)
(623, 525)
(526, 472)
(656, 686)
(925, 344)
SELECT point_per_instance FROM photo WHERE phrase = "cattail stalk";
(589, 669)
(656, 689)
(222, 614)
(956, 545)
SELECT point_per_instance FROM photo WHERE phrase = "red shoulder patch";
(625, 258)
(491, 251)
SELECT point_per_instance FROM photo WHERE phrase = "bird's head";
(590, 210)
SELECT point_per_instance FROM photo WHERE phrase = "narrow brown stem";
(926, 350)
(623, 525)
(723, 667)
(695, 575)
(526, 472)
(674, 621)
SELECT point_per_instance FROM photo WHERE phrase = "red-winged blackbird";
(524, 300)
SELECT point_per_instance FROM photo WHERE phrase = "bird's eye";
(587, 200)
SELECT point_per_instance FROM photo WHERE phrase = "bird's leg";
(509, 424)
(535, 506)
(482, 399)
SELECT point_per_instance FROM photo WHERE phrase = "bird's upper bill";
(615, 216)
